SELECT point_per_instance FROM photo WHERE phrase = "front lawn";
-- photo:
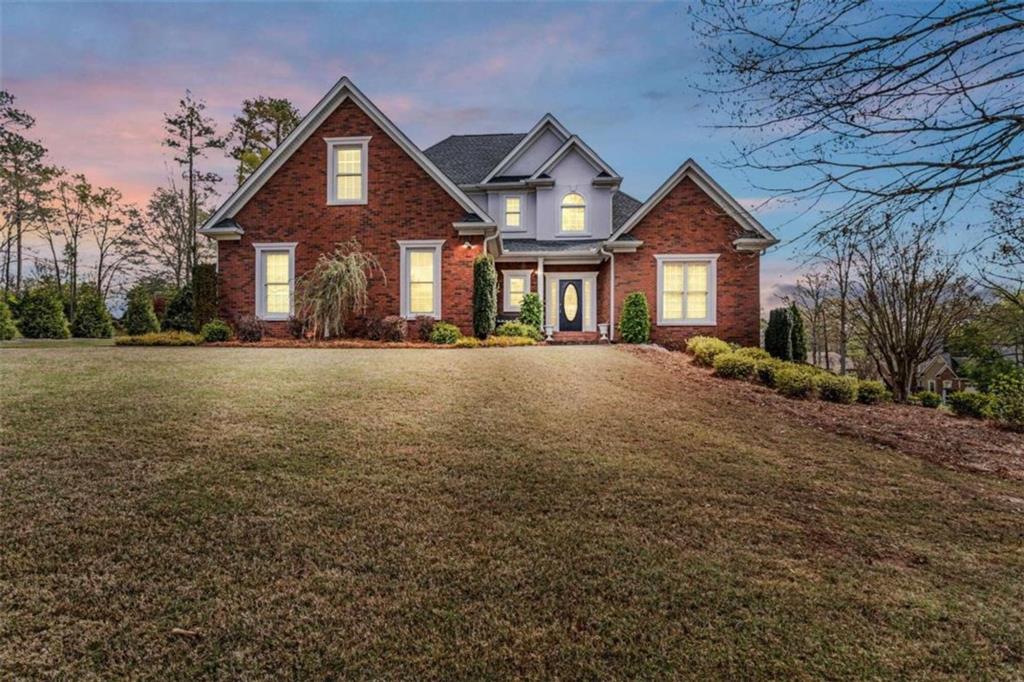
(539, 512)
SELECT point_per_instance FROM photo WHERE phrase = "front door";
(570, 305)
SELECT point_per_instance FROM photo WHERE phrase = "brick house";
(543, 203)
(939, 375)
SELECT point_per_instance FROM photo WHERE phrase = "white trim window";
(420, 264)
(275, 280)
(347, 162)
(687, 289)
(513, 211)
(573, 214)
(516, 284)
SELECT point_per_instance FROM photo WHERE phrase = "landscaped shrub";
(734, 366)
(336, 289)
(929, 399)
(778, 337)
(871, 392)
(249, 328)
(1008, 400)
(970, 404)
(754, 353)
(445, 333)
(518, 329)
(390, 328)
(705, 348)
(204, 294)
(215, 331)
(424, 326)
(799, 339)
(41, 314)
(794, 382)
(92, 319)
(635, 325)
(140, 318)
(160, 339)
(507, 341)
(485, 295)
(297, 327)
(467, 342)
(531, 312)
(766, 369)
(7, 328)
(836, 388)
(181, 312)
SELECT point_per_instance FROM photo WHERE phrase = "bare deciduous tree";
(165, 236)
(811, 298)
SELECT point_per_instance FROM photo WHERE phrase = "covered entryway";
(571, 301)
(570, 312)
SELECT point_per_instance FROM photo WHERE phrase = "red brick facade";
(404, 202)
(687, 220)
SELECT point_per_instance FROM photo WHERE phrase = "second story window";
(346, 170)
(513, 213)
(573, 219)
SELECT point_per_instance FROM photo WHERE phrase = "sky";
(98, 77)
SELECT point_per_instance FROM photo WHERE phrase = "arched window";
(573, 213)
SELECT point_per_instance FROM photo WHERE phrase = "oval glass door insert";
(570, 302)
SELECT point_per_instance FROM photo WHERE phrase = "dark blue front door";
(570, 305)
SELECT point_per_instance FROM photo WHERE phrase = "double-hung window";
(686, 289)
(275, 280)
(421, 278)
(513, 213)
(346, 170)
(516, 285)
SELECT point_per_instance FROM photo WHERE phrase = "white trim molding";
(505, 290)
(406, 245)
(546, 121)
(561, 214)
(332, 168)
(589, 154)
(504, 212)
(260, 295)
(588, 297)
(711, 319)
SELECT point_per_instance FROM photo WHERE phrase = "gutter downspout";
(611, 295)
(489, 238)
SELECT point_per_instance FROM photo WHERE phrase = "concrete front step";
(575, 337)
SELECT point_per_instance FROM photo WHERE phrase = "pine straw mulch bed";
(329, 343)
(932, 435)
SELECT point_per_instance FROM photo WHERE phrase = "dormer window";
(346, 170)
(574, 220)
(513, 213)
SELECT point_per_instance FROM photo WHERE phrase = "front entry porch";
(571, 302)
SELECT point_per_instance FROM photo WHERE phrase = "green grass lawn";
(539, 512)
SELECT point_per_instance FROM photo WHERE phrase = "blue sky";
(99, 76)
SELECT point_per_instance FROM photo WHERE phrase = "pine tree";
(92, 319)
(140, 318)
(778, 337)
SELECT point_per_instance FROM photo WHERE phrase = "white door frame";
(589, 299)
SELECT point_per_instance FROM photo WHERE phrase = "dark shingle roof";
(623, 206)
(467, 159)
(547, 245)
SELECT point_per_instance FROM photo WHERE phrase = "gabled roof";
(546, 122)
(343, 90)
(623, 206)
(467, 159)
(579, 145)
(756, 236)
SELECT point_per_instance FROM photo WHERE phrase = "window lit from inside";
(348, 167)
(573, 213)
(277, 289)
(421, 282)
(685, 288)
(513, 212)
(516, 291)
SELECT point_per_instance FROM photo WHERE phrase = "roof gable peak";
(546, 122)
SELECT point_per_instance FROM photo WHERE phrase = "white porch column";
(542, 291)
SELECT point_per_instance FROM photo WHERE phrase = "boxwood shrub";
(734, 366)
(755, 353)
(836, 388)
(445, 333)
(970, 404)
(929, 399)
(516, 328)
(871, 392)
(1008, 400)
(766, 369)
(215, 331)
(705, 348)
(794, 382)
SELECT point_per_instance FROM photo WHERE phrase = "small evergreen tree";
(140, 318)
(92, 319)
(530, 311)
(7, 328)
(778, 337)
(485, 295)
(799, 338)
(42, 314)
(204, 293)
(635, 326)
(181, 312)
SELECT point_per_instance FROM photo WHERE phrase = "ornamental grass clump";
(336, 289)
(705, 348)
(734, 366)
(836, 388)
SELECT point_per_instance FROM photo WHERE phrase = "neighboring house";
(543, 203)
(939, 375)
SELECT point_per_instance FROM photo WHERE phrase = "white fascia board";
(692, 170)
(575, 142)
(342, 90)
(545, 121)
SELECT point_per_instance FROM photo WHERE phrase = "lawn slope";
(538, 512)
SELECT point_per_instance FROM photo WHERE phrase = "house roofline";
(545, 120)
(588, 153)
